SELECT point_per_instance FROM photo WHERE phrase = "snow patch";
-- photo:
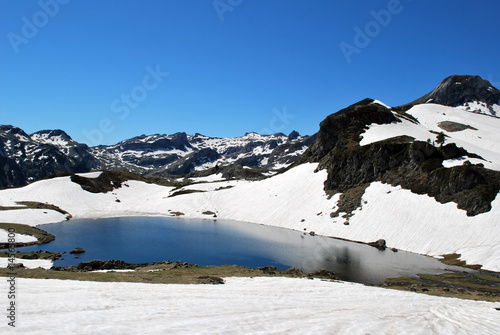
(20, 238)
(90, 175)
(28, 263)
(210, 178)
(381, 103)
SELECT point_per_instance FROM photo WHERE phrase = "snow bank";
(91, 175)
(241, 306)
(212, 177)
(18, 237)
(381, 103)
(31, 217)
(28, 263)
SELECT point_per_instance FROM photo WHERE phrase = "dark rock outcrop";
(293, 136)
(106, 182)
(325, 274)
(343, 128)
(77, 251)
(177, 141)
(268, 270)
(459, 89)
(414, 165)
(188, 163)
(379, 244)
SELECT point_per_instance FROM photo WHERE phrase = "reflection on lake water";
(208, 242)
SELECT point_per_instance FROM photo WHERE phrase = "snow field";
(241, 306)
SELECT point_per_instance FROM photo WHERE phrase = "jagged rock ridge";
(25, 158)
(180, 154)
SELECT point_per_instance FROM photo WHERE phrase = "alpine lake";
(220, 242)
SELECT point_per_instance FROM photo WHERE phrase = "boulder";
(77, 251)
(269, 270)
(380, 244)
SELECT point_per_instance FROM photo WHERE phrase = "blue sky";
(104, 70)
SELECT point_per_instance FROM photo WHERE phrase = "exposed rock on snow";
(353, 162)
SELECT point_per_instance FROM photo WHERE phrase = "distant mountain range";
(25, 158)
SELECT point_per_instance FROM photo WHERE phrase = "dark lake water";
(207, 242)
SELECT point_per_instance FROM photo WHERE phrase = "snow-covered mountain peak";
(472, 92)
(7, 131)
(181, 153)
(56, 137)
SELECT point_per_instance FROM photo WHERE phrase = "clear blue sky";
(233, 66)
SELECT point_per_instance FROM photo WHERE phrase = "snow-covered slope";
(295, 200)
(241, 306)
(477, 133)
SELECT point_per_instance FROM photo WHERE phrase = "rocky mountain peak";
(50, 135)
(293, 135)
(345, 126)
(11, 130)
(458, 90)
